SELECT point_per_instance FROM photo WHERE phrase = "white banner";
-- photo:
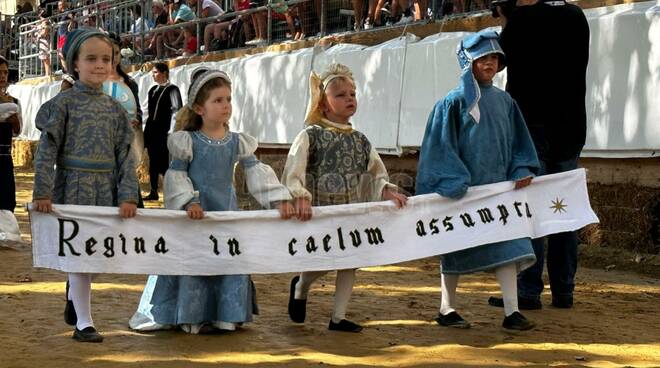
(166, 242)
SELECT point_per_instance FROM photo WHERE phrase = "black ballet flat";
(87, 334)
(452, 319)
(345, 326)
(297, 307)
(70, 317)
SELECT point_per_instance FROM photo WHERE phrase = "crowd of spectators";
(239, 25)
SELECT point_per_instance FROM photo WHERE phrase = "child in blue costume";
(88, 136)
(477, 135)
(200, 178)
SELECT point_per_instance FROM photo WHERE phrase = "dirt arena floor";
(615, 322)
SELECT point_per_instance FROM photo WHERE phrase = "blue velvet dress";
(457, 152)
(202, 171)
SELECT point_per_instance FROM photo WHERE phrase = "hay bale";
(629, 217)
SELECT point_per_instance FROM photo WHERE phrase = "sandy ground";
(615, 322)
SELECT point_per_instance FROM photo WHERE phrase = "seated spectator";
(259, 23)
(209, 9)
(189, 42)
(139, 26)
(281, 11)
(171, 40)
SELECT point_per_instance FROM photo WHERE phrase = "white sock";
(80, 290)
(506, 276)
(448, 284)
(306, 280)
(343, 291)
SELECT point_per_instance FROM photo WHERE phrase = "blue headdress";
(470, 49)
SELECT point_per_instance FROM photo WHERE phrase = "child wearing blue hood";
(477, 135)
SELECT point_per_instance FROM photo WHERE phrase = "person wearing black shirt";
(10, 126)
(547, 51)
(164, 102)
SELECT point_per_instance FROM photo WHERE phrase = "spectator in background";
(43, 42)
(160, 17)
(259, 24)
(65, 25)
(139, 25)
(172, 40)
(164, 102)
(189, 42)
(10, 126)
(209, 9)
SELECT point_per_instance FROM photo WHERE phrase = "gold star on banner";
(558, 205)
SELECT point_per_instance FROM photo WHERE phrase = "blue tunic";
(87, 135)
(201, 299)
(457, 152)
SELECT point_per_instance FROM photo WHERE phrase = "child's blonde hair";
(317, 86)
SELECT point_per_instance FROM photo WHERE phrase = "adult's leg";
(562, 254)
(530, 281)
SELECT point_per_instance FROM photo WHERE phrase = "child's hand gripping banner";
(166, 242)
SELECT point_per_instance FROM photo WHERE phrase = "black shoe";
(70, 317)
(523, 303)
(153, 196)
(297, 307)
(87, 334)
(345, 326)
(562, 301)
(452, 320)
(517, 321)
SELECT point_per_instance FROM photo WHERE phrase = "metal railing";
(263, 23)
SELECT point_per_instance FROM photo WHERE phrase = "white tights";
(343, 289)
(506, 276)
(80, 292)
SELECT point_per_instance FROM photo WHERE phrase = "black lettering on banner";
(109, 245)
(467, 220)
(214, 240)
(311, 245)
(123, 243)
(485, 215)
(420, 228)
(139, 245)
(66, 241)
(161, 247)
(374, 236)
(341, 239)
(529, 214)
(517, 205)
(89, 246)
(291, 243)
(504, 213)
(447, 223)
(326, 240)
(355, 238)
(434, 229)
(233, 247)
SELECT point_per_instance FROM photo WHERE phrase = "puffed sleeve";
(524, 162)
(50, 120)
(127, 183)
(441, 169)
(295, 168)
(178, 188)
(378, 178)
(262, 182)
